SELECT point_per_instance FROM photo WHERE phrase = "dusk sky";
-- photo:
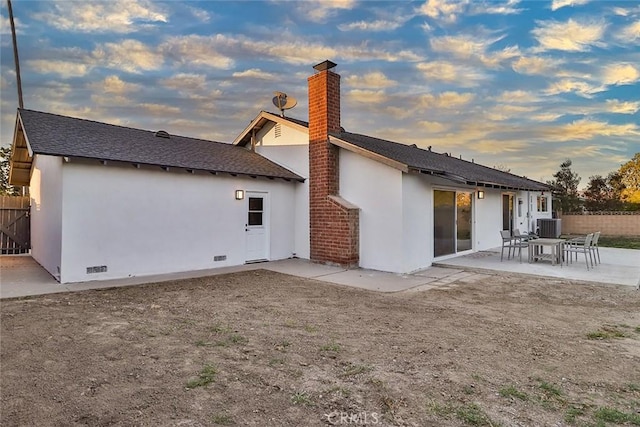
(517, 84)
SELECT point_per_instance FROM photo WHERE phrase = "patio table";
(536, 250)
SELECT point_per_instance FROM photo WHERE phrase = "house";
(110, 201)
(384, 205)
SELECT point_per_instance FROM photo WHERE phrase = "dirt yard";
(265, 349)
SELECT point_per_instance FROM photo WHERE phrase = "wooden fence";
(609, 223)
(15, 226)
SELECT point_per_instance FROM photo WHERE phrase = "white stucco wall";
(45, 190)
(291, 150)
(140, 222)
(417, 223)
(289, 135)
(488, 220)
(377, 190)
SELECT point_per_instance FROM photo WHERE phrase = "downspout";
(529, 212)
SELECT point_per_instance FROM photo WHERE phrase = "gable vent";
(163, 134)
(278, 130)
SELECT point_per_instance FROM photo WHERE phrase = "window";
(543, 205)
(255, 210)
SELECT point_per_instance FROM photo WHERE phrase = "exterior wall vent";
(163, 134)
(97, 269)
(278, 130)
(220, 258)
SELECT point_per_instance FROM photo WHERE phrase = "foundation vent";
(97, 269)
(220, 258)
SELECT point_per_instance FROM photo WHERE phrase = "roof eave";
(21, 160)
(107, 161)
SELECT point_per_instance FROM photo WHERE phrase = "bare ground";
(262, 348)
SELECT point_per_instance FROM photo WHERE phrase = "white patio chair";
(576, 246)
(509, 243)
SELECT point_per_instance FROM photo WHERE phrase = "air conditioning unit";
(551, 228)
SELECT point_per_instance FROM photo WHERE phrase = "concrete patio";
(21, 276)
(618, 266)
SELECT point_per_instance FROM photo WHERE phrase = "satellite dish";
(284, 102)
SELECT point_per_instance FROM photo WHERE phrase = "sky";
(519, 85)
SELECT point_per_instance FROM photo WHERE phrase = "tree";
(5, 188)
(630, 178)
(603, 194)
(565, 188)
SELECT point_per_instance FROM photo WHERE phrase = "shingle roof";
(421, 160)
(57, 135)
(444, 165)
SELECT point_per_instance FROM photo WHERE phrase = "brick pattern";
(334, 227)
(608, 225)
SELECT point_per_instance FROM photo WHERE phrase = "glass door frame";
(456, 191)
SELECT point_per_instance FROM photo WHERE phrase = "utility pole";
(15, 55)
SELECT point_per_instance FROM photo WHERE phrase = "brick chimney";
(334, 222)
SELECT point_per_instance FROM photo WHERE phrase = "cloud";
(159, 109)
(185, 82)
(114, 85)
(129, 55)
(446, 100)
(535, 65)
(570, 36)
(254, 73)
(63, 68)
(462, 45)
(578, 87)
(367, 96)
(374, 79)
(620, 74)
(495, 8)
(374, 26)
(621, 11)
(517, 96)
(116, 16)
(217, 51)
(322, 10)
(499, 146)
(5, 26)
(557, 4)
(622, 107)
(434, 127)
(586, 129)
(545, 117)
(445, 10)
(466, 46)
(630, 33)
(507, 112)
(198, 50)
(449, 72)
(200, 14)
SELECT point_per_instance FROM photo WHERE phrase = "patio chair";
(594, 246)
(523, 237)
(576, 246)
(509, 243)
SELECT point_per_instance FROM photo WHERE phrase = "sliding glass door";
(452, 222)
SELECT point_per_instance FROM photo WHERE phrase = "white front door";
(257, 227)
